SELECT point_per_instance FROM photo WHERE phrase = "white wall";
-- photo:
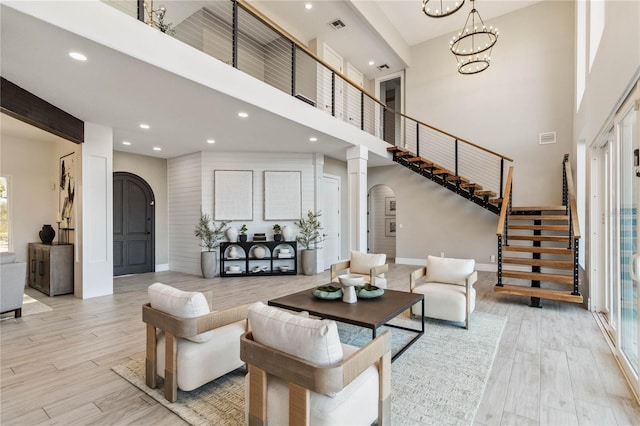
(32, 166)
(185, 202)
(154, 172)
(430, 219)
(528, 89)
(379, 242)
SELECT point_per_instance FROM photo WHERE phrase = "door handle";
(633, 261)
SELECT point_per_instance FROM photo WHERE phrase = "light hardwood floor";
(553, 365)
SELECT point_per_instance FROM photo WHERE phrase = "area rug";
(30, 306)
(439, 380)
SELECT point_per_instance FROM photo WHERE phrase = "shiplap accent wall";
(184, 175)
(259, 162)
(190, 181)
(378, 242)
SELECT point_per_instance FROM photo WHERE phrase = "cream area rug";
(437, 381)
(30, 306)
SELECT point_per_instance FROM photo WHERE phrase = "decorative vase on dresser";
(47, 234)
(232, 234)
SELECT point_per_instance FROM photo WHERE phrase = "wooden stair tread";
(550, 238)
(470, 185)
(488, 193)
(442, 172)
(539, 276)
(416, 160)
(540, 227)
(539, 209)
(495, 200)
(538, 217)
(457, 179)
(394, 148)
(548, 250)
(547, 263)
(428, 165)
(543, 293)
(403, 154)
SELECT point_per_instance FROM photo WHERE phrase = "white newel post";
(94, 234)
(357, 157)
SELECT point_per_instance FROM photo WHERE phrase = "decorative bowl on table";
(328, 292)
(283, 268)
(350, 280)
(369, 291)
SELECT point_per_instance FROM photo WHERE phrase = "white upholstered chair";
(300, 373)
(371, 266)
(13, 277)
(188, 344)
(447, 287)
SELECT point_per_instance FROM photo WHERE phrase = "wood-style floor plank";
(55, 367)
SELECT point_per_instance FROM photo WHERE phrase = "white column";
(94, 233)
(357, 157)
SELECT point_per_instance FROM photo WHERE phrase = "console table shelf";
(272, 263)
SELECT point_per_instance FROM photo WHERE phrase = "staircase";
(539, 245)
(451, 179)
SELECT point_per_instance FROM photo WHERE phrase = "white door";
(353, 97)
(331, 219)
(325, 90)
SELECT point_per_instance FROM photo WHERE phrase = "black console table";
(274, 262)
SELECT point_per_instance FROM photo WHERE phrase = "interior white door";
(331, 219)
(337, 102)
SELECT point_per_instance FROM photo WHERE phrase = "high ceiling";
(106, 89)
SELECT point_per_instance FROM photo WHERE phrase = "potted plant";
(210, 234)
(243, 233)
(309, 238)
(277, 232)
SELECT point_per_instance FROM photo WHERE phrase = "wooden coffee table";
(367, 313)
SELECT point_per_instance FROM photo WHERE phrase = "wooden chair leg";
(151, 360)
(299, 405)
(170, 375)
(384, 383)
(257, 396)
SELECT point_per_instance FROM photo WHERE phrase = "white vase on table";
(232, 234)
(287, 233)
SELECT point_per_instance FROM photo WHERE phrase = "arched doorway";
(382, 221)
(133, 225)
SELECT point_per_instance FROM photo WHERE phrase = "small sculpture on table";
(348, 283)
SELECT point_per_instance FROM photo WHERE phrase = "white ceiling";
(121, 92)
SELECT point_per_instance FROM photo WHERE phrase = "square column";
(357, 157)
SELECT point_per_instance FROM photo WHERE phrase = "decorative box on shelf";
(252, 258)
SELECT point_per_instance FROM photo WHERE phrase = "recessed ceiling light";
(78, 56)
(312, 139)
(371, 62)
(126, 143)
(308, 6)
(243, 115)
(145, 126)
(210, 141)
(157, 148)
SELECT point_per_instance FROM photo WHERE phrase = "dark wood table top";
(369, 313)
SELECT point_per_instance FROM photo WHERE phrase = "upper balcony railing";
(237, 34)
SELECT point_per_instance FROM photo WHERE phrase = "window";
(596, 27)
(4, 214)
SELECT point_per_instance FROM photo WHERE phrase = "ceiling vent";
(383, 67)
(337, 24)
(547, 138)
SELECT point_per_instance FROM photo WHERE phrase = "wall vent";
(337, 24)
(547, 138)
(383, 67)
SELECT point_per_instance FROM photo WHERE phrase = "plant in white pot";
(309, 238)
(210, 234)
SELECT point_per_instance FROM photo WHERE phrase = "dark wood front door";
(133, 225)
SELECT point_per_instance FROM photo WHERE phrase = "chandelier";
(472, 46)
(441, 8)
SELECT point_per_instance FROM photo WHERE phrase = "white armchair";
(187, 344)
(13, 277)
(447, 288)
(371, 266)
(300, 373)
